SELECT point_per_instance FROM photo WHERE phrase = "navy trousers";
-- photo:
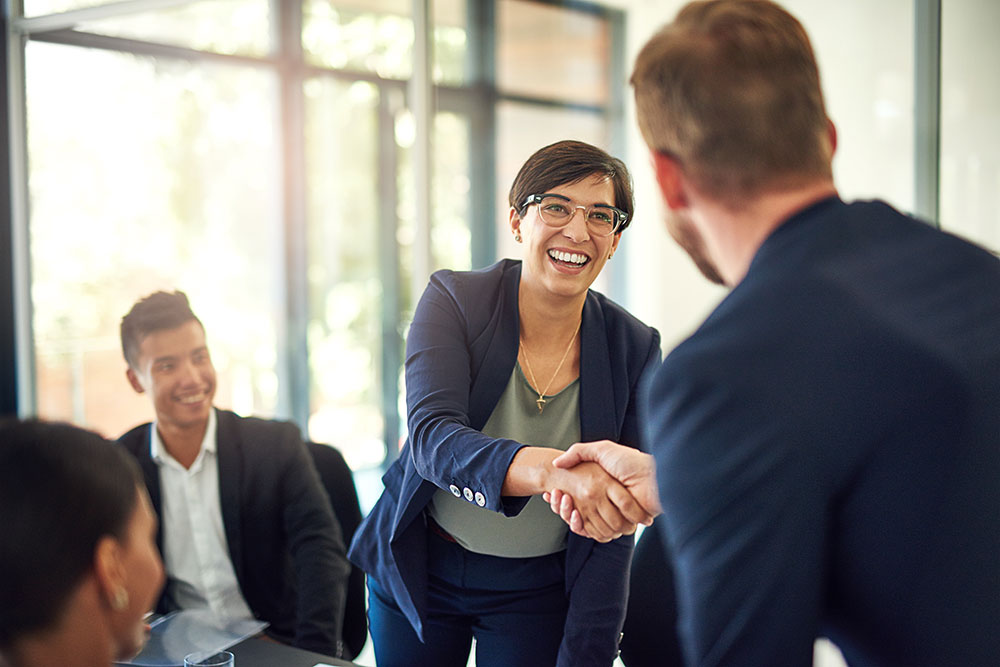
(514, 607)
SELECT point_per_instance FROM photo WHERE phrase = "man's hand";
(604, 509)
(635, 470)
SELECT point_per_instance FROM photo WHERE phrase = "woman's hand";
(632, 468)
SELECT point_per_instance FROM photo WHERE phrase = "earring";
(517, 237)
(120, 600)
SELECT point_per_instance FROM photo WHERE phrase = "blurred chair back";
(338, 481)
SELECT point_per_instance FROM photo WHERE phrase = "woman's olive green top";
(536, 530)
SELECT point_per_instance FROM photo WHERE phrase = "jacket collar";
(599, 418)
(229, 443)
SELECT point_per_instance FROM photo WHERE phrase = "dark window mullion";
(927, 109)
(481, 28)
(293, 399)
(8, 355)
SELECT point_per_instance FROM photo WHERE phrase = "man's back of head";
(731, 90)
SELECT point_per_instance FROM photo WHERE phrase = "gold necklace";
(540, 401)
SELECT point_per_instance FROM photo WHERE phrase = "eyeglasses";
(557, 211)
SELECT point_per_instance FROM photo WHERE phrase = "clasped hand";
(606, 490)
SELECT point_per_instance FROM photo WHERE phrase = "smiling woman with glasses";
(507, 367)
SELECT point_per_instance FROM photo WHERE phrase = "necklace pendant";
(540, 402)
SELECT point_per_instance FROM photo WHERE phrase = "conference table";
(178, 633)
(257, 652)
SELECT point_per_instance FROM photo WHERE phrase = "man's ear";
(133, 380)
(831, 133)
(670, 179)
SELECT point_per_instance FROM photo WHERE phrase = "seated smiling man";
(246, 530)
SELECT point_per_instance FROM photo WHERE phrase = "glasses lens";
(602, 220)
(555, 211)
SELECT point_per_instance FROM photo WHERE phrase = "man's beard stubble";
(687, 237)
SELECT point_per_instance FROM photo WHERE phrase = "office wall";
(970, 120)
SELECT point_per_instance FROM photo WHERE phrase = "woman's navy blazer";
(461, 351)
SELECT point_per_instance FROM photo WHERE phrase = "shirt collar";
(158, 451)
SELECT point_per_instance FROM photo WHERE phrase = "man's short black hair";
(159, 311)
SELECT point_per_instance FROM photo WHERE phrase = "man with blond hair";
(827, 443)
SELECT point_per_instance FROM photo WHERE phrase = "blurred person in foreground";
(247, 530)
(79, 567)
(506, 367)
(827, 443)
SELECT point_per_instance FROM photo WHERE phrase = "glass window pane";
(552, 52)
(363, 35)
(235, 27)
(165, 175)
(451, 242)
(451, 47)
(970, 120)
(345, 295)
(376, 36)
(405, 131)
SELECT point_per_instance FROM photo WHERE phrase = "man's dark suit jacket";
(828, 450)
(284, 542)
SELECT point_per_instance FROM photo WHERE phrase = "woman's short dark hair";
(566, 162)
(61, 490)
(159, 311)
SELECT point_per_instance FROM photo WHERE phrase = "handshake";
(604, 490)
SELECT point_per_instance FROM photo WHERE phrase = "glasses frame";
(620, 216)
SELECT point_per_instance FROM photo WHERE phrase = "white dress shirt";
(195, 552)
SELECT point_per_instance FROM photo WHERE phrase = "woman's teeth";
(569, 257)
